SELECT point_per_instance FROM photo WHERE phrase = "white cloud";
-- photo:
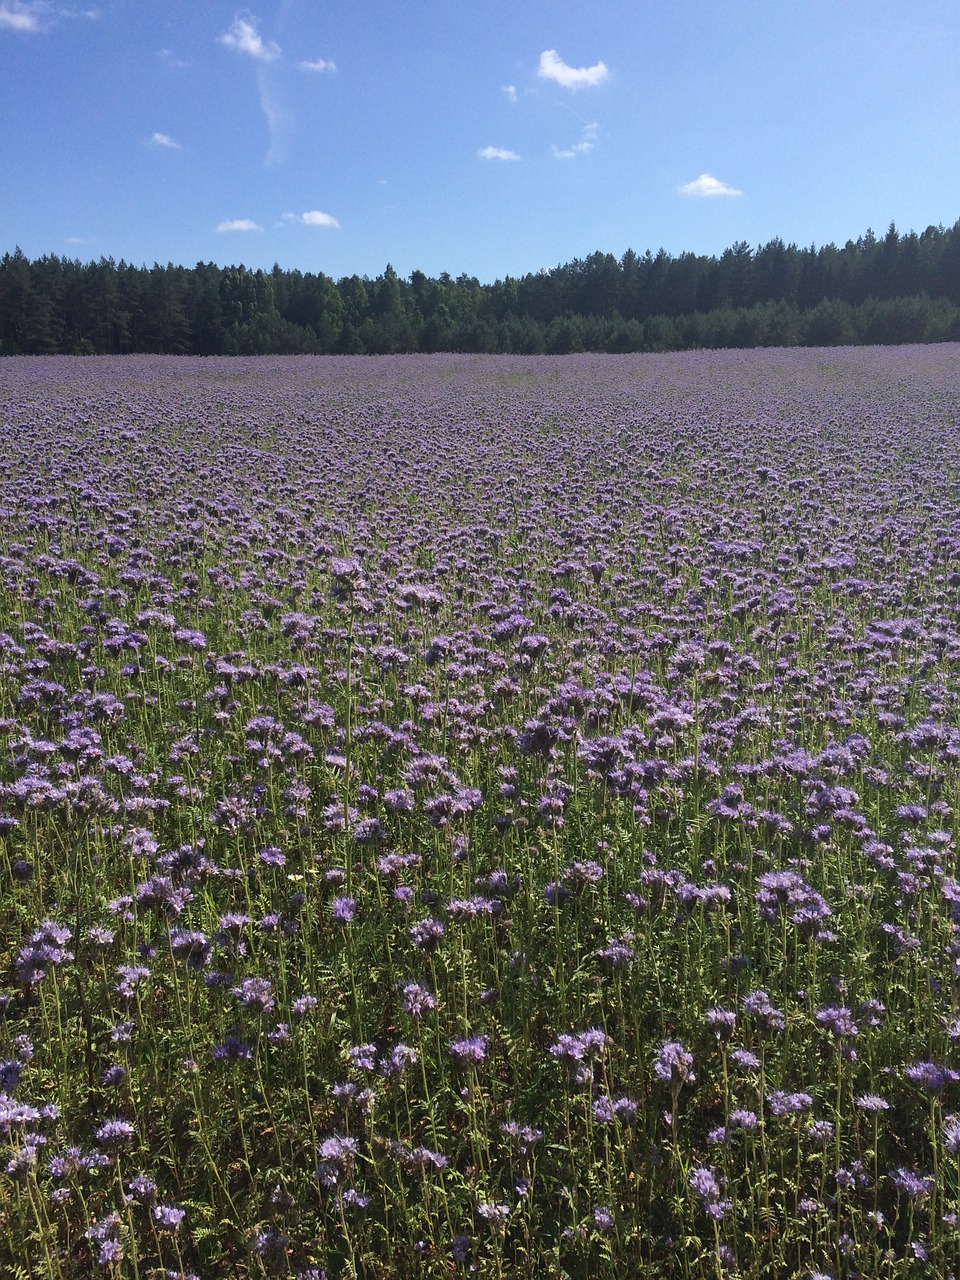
(163, 140)
(553, 67)
(312, 218)
(20, 17)
(36, 15)
(318, 65)
(510, 91)
(239, 224)
(706, 185)
(588, 140)
(244, 37)
(497, 153)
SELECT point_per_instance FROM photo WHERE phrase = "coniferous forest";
(894, 289)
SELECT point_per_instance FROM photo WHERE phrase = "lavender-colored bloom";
(872, 1103)
(45, 948)
(255, 994)
(142, 1189)
(192, 946)
(164, 896)
(580, 1050)
(232, 1050)
(722, 1022)
(417, 1000)
(931, 1077)
(765, 1017)
(951, 1134)
(495, 1214)
(704, 1184)
(606, 1109)
(396, 1062)
(363, 1056)
(603, 1220)
(168, 1216)
(343, 909)
(782, 1103)
(525, 1136)
(745, 1059)
(471, 1049)
(427, 934)
(114, 1135)
(353, 1199)
(337, 1156)
(914, 1186)
(674, 1065)
(619, 951)
(838, 1021)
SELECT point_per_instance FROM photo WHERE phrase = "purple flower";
(674, 1065)
(337, 1156)
(606, 1109)
(344, 908)
(704, 1184)
(603, 1220)
(872, 1103)
(168, 1216)
(363, 1056)
(469, 1050)
(427, 934)
(722, 1022)
(765, 1017)
(581, 1046)
(838, 1021)
(914, 1186)
(396, 1062)
(417, 1000)
(931, 1077)
(232, 1050)
(782, 1103)
(255, 994)
(115, 1134)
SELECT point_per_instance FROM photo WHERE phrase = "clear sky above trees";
(489, 139)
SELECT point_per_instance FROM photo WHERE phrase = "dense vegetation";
(466, 816)
(890, 290)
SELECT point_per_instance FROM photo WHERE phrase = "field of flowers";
(480, 815)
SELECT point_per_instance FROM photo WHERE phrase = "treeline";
(901, 288)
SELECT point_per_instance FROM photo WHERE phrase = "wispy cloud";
(510, 92)
(553, 67)
(243, 37)
(279, 117)
(163, 140)
(36, 15)
(317, 65)
(239, 224)
(172, 60)
(707, 185)
(312, 218)
(497, 153)
(19, 17)
(588, 140)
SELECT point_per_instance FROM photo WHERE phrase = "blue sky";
(477, 136)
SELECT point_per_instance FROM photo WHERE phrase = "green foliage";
(896, 289)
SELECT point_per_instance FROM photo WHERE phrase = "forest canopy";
(894, 289)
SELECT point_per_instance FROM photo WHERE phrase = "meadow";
(487, 816)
